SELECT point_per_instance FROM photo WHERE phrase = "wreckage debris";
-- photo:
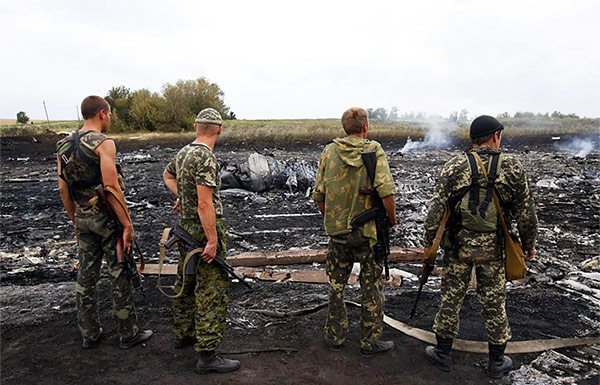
(261, 173)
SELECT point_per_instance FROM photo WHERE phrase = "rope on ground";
(513, 347)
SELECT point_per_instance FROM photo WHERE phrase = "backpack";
(477, 212)
(79, 171)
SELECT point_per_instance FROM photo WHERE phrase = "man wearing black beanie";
(473, 238)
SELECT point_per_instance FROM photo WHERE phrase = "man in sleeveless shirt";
(200, 313)
(471, 242)
(87, 164)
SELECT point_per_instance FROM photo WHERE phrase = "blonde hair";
(354, 120)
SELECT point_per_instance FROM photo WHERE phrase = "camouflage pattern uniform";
(96, 236)
(465, 249)
(341, 174)
(201, 311)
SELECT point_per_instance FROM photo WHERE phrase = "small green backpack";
(477, 212)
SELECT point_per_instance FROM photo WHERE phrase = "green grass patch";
(320, 130)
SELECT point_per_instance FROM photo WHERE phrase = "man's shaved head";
(92, 105)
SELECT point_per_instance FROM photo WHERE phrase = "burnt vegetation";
(559, 298)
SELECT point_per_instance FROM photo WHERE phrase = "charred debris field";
(268, 207)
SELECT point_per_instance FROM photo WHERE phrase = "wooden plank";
(292, 257)
(268, 274)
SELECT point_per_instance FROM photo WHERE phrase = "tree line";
(461, 116)
(172, 109)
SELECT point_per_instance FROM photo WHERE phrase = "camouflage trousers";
(343, 251)
(97, 237)
(491, 293)
(201, 311)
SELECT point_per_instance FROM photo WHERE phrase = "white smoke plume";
(578, 147)
(438, 136)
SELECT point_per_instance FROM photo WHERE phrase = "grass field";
(317, 130)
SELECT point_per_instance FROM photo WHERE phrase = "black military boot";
(93, 342)
(499, 364)
(378, 348)
(139, 338)
(182, 343)
(440, 354)
(209, 362)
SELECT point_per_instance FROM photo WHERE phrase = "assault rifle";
(191, 244)
(429, 258)
(124, 257)
(377, 213)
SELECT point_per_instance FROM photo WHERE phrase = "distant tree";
(379, 113)
(148, 111)
(186, 98)
(453, 117)
(524, 115)
(504, 115)
(463, 116)
(393, 113)
(370, 113)
(120, 100)
(232, 115)
(22, 117)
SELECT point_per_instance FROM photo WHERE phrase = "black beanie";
(484, 125)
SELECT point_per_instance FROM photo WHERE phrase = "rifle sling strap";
(117, 196)
(430, 253)
(161, 258)
(474, 190)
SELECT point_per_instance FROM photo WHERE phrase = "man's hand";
(127, 234)
(176, 205)
(529, 255)
(210, 252)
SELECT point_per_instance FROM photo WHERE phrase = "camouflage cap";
(209, 116)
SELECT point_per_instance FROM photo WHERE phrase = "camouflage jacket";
(195, 164)
(515, 196)
(341, 174)
(77, 169)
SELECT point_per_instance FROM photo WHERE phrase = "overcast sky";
(306, 59)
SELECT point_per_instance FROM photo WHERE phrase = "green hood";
(349, 149)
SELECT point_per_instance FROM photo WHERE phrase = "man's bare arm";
(170, 181)
(107, 151)
(389, 202)
(321, 207)
(64, 194)
(206, 212)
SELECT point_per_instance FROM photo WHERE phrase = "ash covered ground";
(39, 336)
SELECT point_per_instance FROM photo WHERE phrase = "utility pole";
(46, 110)
(77, 109)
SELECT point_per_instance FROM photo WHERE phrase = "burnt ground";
(39, 336)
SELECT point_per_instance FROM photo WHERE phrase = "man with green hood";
(341, 175)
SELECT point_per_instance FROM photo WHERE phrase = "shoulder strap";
(491, 179)
(474, 190)
(370, 161)
(494, 196)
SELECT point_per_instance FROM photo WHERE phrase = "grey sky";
(308, 59)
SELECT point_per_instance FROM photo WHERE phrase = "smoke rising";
(578, 147)
(438, 136)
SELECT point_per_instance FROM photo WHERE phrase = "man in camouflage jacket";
(340, 176)
(200, 314)
(93, 165)
(465, 249)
